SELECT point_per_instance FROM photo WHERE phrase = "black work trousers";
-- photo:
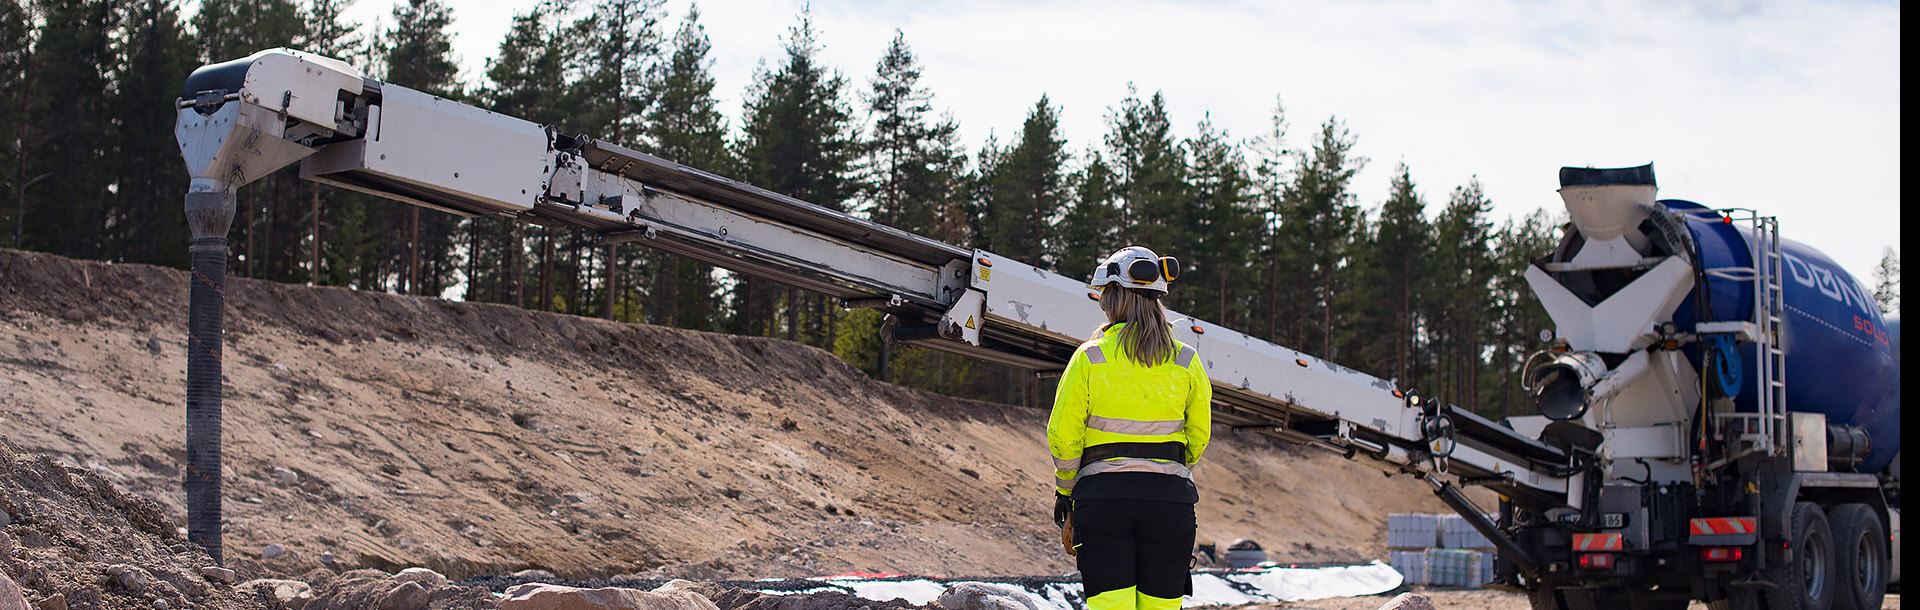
(1134, 554)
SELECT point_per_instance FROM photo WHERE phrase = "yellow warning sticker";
(969, 321)
(986, 273)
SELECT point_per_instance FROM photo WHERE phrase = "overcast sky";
(1788, 107)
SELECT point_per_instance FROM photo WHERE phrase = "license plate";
(1613, 520)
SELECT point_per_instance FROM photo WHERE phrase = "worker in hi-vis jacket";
(1130, 419)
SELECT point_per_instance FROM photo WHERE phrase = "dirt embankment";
(374, 430)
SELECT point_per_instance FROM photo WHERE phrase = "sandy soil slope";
(476, 439)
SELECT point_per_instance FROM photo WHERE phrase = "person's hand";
(1062, 504)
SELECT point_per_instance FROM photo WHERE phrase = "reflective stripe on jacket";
(1106, 397)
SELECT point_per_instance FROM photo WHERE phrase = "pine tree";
(418, 54)
(17, 34)
(911, 163)
(1402, 243)
(147, 222)
(1281, 271)
(1224, 231)
(70, 142)
(1886, 281)
(684, 124)
(1319, 221)
(798, 140)
(1458, 306)
(1149, 173)
(1090, 224)
(1026, 186)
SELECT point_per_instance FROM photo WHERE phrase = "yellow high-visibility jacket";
(1105, 397)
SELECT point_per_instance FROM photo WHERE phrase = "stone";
(11, 597)
(161, 604)
(5, 519)
(6, 544)
(1408, 601)
(218, 574)
(986, 596)
(408, 596)
(326, 558)
(284, 476)
(272, 551)
(282, 590)
(427, 578)
(536, 596)
(535, 574)
(128, 577)
(57, 601)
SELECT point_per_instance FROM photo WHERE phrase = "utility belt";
(1172, 451)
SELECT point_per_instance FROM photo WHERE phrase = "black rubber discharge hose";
(209, 216)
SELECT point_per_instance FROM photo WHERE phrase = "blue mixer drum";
(1841, 354)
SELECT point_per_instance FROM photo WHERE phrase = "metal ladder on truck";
(249, 117)
(1765, 429)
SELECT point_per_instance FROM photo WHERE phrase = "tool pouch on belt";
(1066, 535)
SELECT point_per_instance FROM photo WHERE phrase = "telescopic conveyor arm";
(242, 119)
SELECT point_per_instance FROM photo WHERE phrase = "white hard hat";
(1138, 268)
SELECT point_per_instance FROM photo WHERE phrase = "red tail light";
(1719, 554)
(1596, 561)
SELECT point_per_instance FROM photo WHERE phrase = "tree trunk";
(546, 270)
(413, 251)
(613, 281)
(313, 276)
(515, 274)
(793, 314)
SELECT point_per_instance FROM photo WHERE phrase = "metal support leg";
(210, 209)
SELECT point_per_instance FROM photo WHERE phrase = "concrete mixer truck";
(1718, 408)
(1731, 401)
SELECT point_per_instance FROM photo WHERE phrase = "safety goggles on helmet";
(1138, 268)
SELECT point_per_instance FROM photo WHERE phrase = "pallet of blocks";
(1440, 550)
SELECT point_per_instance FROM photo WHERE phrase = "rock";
(5, 519)
(326, 558)
(284, 476)
(153, 345)
(272, 551)
(408, 596)
(428, 579)
(161, 604)
(11, 598)
(535, 574)
(1408, 601)
(285, 591)
(218, 574)
(57, 601)
(986, 596)
(6, 544)
(535, 596)
(128, 577)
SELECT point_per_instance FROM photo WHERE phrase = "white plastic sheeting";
(1259, 585)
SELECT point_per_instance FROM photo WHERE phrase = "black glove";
(1061, 506)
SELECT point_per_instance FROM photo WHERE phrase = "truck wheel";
(1806, 582)
(1859, 558)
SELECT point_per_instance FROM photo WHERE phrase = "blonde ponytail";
(1147, 338)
